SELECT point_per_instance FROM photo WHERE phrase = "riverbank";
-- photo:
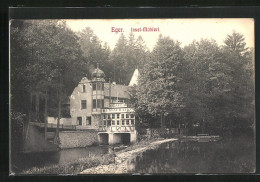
(94, 160)
(122, 158)
(71, 168)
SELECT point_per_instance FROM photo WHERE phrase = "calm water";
(194, 157)
(172, 157)
(42, 159)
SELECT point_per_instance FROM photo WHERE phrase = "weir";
(111, 138)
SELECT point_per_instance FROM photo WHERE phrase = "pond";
(230, 156)
(195, 157)
(44, 159)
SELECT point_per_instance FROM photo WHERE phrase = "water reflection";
(184, 157)
(173, 157)
(43, 159)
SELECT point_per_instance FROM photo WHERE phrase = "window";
(108, 122)
(117, 116)
(105, 122)
(83, 104)
(117, 122)
(122, 115)
(84, 88)
(79, 121)
(113, 116)
(94, 86)
(127, 122)
(104, 116)
(88, 120)
(133, 122)
(99, 86)
(113, 122)
(127, 115)
(132, 115)
(98, 103)
(94, 103)
(109, 117)
(123, 122)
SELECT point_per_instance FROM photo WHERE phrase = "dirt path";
(122, 160)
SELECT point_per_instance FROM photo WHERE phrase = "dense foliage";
(203, 84)
(127, 55)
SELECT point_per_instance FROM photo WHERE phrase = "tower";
(97, 82)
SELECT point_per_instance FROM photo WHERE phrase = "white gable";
(134, 79)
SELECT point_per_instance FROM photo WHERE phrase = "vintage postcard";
(132, 96)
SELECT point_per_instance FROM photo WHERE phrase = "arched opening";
(122, 138)
(126, 138)
(103, 138)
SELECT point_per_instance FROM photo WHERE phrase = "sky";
(183, 30)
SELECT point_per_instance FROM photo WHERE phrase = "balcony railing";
(52, 125)
(116, 128)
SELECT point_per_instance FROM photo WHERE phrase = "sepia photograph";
(132, 96)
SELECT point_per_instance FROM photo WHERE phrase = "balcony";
(117, 129)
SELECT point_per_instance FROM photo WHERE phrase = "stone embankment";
(122, 159)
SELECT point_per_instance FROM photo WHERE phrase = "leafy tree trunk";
(56, 139)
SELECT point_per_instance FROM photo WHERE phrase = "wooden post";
(37, 107)
(46, 115)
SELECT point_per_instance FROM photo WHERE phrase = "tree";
(239, 61)
(201, 79)
(157, 91)
(142, 53)
(236, 43)
(118, 59)
(127, 55)
(218, 86)
(45, 57)
(93, 50)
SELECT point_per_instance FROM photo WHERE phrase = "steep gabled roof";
(134, 79)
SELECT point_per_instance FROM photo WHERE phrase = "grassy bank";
(73, 167)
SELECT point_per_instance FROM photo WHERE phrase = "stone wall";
(73, 139)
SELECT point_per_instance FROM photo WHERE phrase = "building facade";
(118, 125)
(101, 106)
(91, 100)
